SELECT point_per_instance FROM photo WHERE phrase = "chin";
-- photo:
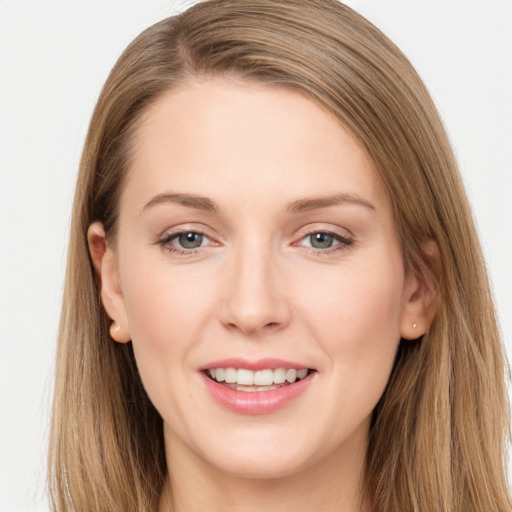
(247, 467)
(267, 455)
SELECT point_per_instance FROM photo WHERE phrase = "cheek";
(356, 322)
(357, 301)
(166, 312)
(165, 316)
(158, 313)
(162, 300)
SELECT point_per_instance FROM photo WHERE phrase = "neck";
(330, 484)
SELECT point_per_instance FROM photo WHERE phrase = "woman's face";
(256, 241)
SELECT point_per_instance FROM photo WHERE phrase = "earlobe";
(420, 298)
(117, 333)
(106, 267)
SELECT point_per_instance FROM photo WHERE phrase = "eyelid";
(165, 239)
(325, 228)
(344, 238)
(191, 227)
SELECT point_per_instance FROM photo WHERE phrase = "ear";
(106, 267)
(420, 295)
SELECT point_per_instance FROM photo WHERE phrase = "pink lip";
(260, 364)
(255, 402)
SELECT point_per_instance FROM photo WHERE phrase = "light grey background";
(54, 57)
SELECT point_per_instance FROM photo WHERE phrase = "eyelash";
(343, 242)
(165, 242)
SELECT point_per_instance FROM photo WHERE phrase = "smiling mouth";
(242, 379)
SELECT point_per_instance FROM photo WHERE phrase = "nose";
(254, 300)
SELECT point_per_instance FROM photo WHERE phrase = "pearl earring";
(414, 325)
(114, 329)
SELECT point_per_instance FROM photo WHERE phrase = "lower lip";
(256, 402)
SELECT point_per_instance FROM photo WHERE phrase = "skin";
(256, 288)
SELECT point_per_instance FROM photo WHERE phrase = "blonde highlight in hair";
(438, 434)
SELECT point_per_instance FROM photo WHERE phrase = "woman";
(275, 296)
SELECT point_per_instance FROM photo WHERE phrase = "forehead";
(259, 139)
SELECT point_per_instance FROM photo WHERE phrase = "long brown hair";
(437, 441)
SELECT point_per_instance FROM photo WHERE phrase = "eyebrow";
(188, 200)
(298, 206)
(315, 203)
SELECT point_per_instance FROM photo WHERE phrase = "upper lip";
(268, 363)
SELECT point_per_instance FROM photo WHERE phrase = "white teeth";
(245, 377)
(301, 374)
(280, 375)
(291, 375)
(230, 376)
(263, 378)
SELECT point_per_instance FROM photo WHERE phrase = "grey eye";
(321, 240)
(190, 240)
